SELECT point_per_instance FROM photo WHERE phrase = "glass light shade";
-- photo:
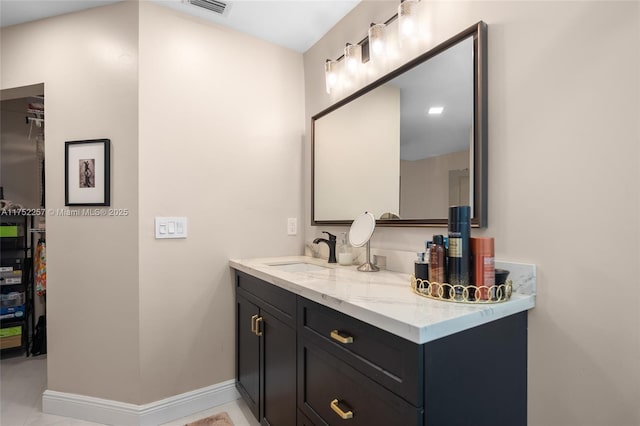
(331, 74)
(408, 19)
(352, 58)
(377, 41)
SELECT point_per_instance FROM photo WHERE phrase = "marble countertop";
(385, 299)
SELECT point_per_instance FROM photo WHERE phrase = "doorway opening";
(22, 222)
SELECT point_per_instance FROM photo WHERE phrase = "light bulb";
(408, 27)
(377, 41)
(352, 58)
(407, 19)
(330, 74)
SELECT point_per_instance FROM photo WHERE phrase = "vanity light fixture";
(407, 20)
(331, 74)
(377, 41)
(352, 58)
(435, 110)
(374, 46)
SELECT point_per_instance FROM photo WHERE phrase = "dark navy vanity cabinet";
(266, 350)
(302, 363)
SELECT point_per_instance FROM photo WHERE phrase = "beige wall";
(88, 63)
(220, 119)
(563, 186)
(221, 142)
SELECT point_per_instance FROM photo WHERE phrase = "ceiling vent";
(215, 6)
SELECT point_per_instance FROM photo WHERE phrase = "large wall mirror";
(385, 150)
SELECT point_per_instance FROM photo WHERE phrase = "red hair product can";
(484, 272)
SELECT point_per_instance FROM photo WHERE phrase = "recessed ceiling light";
(436, 110)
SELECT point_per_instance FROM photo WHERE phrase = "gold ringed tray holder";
(466, 294)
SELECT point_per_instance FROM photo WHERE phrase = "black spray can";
(422, 267)
(459, 254)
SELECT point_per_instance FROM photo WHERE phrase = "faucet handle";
(331, 236)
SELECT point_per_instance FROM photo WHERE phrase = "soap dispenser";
(345, 256)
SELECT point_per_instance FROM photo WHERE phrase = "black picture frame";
(87, 177)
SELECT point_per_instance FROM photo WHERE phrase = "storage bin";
(9, 262)
(8, 243)
(12, 311)
(10, 342)
(11, 331)
(10, 337)
(10, 277)
(7, 231)
(12, 299)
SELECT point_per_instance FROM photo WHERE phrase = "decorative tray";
(462, 294)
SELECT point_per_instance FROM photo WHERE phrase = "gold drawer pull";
(258, 331)
(253, 323)
(342, 339)
(343, 415)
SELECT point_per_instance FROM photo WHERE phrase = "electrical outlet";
(292, 226)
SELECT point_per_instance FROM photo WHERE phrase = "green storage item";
(11, 331)
(8, 231)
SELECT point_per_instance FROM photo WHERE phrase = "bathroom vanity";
(322, 344)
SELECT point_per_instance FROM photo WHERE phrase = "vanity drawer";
(332, 393)
(393, 362)
(273, 297)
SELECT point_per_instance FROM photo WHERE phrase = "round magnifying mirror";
(362, 229)
(360, 234)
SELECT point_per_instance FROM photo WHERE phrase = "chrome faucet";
(331, 242)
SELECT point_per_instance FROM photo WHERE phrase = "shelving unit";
(16, 283)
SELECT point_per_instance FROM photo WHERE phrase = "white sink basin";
(298, 267)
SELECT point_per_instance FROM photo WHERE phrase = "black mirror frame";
(479, 220)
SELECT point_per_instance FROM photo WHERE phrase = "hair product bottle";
(422, 267)
(482, 252)
(459, 254)
(437, 270)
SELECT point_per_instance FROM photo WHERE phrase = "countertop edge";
(411, 332)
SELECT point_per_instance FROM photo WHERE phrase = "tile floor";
(22, 381)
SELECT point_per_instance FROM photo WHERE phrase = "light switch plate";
(292, 226)
(171, 227)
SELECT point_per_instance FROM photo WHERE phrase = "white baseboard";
(123, 414)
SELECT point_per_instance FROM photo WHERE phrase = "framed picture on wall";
(86, 172)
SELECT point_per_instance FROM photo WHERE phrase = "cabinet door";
(303, 420)
(248, 354)
(279, 371)
(484, 378)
